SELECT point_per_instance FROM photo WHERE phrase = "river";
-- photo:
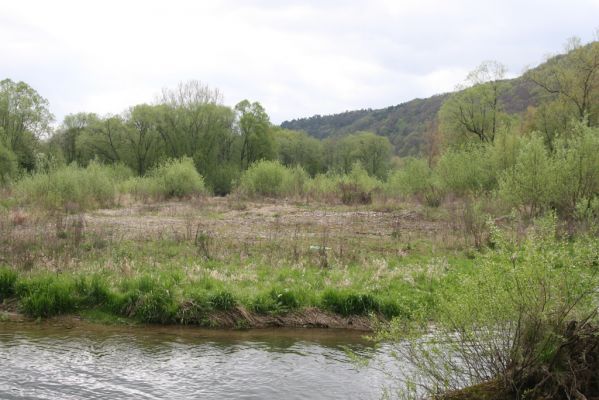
(98, 362)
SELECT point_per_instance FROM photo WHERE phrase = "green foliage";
(256, 137)
(223, 301)
(416, 178)
(466, 170)
(179, 178)
(347, 302)
(24, 117)
(358, 186)
(299, 149)
(8, 279)
(70, 188)
(372, 151)
(577, 169)
(271, 178)
(8, 165)
(172, 178)
(147, 299)
(46, 296)
(505, 316)
(531, 182)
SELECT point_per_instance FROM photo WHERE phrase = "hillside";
(404, 124)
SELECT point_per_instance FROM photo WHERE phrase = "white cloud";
(296, 57)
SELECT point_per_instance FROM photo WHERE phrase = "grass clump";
(145, 299)
(276, 301)
(223, 301)
(46, 296)
(8, 279)
(346, 302)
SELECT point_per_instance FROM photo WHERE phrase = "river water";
(91, 362)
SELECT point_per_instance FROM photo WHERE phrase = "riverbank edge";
(237, 318)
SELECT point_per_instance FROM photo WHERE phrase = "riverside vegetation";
(479, 258)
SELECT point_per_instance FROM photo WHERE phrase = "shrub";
(358, 186)
(505, 319)
(416, 178)
(179, 178)
(265, 178)
(69, 188)
(172, 178)
(466, 171)
(532, 180)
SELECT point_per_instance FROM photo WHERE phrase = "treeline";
(545, 158)
(189, 121)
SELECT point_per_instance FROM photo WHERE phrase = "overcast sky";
(297, 58)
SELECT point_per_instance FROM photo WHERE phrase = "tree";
(142, 137)
(297, 148)
(475, 109)
(73, 126)
(372, 151)
(105, 139)
(24, 118)
(573, 79)
(253, 126)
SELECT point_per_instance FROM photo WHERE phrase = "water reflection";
(46, 362)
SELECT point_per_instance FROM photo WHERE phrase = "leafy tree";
(297, 148)
(372, 151)
(73, 126)
(253, 126)
(142, 137)
(105, 139)
(476, 109)
(573, 79)
(24, 118)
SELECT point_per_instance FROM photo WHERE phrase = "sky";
(297, 58)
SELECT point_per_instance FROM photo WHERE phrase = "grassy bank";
(210, 262)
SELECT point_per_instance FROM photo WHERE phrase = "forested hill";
(405, 124)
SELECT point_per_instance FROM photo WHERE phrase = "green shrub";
(504, 318)
(466, 171)
(172, 178)
(531, 183)
(8, 279)
(179, 178)
(265, 178)
(416, 178)
(357, 187)
(70, 188)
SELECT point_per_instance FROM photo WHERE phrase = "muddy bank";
(237, 318)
